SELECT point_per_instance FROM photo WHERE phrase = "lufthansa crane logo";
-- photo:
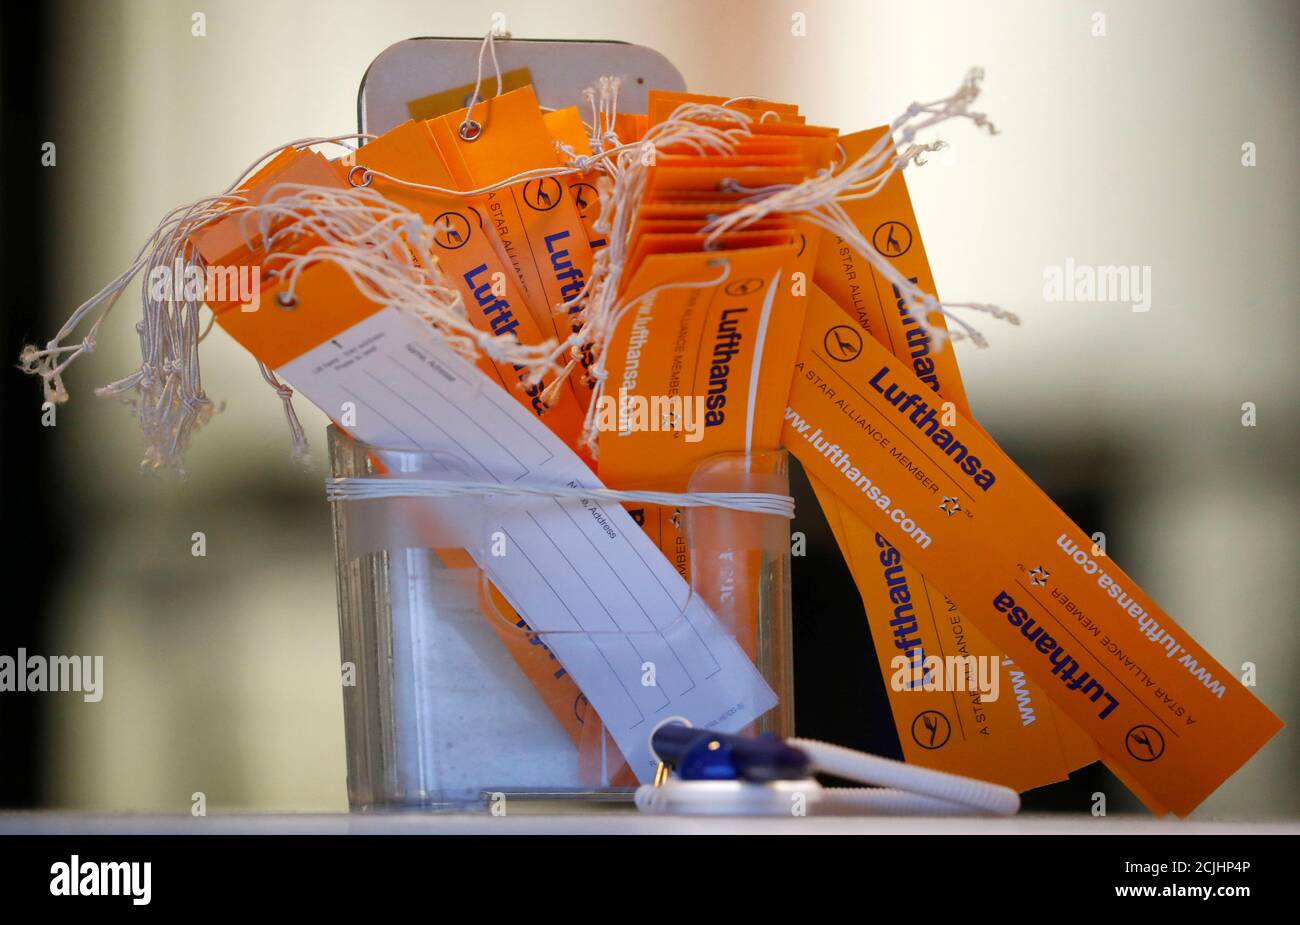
(893, 239)
(542, 195)
(584, 197)
(843, 343)
(1145, 743)
(931, 729)
(743, 287)
(451, 231)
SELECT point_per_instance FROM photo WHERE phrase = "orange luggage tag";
(1069, 738)
(888, 222)
(567, 128)
(807, 235)
(232, 241)
(711, 175)
(698, 370)
(765, 121)
(715, 357)
(680, 168)
(465, 254)
(1046, 762)
(626, 419)
(791, 151)
(630, 126)
(696, 226)
(776, 156)
(667, 524)
(536, 222)
(942, 709)
(445, 101)
(759, 143)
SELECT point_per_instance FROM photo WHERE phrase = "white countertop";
(609, 822)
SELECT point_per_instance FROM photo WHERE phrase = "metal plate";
(560, 70)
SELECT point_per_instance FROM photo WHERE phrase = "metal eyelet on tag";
(287, 301)
(470, 130)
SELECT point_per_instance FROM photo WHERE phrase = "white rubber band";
(365, 489)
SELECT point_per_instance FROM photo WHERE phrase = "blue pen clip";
(698, 754)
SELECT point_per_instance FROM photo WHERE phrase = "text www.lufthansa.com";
(839, 458)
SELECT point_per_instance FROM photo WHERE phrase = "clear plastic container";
(452, 701)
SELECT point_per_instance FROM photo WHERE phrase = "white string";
(362, 176)
(387, 251)
(286, 396)
(363, 233)
(818, 200)
(367, 489)
(536, 173)
(469, 129)
(597, 130)
(167, 389)
(608, 137)
(705, 128)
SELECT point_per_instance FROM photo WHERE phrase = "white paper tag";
(610, 606)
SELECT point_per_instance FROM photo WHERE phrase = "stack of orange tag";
(700, 359)
(702, 368)
(543, 237)
(470, 254)
(720, 330)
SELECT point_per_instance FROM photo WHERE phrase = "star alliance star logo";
(1038, 576)
(950, 506)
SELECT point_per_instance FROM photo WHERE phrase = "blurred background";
(1124, 148)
